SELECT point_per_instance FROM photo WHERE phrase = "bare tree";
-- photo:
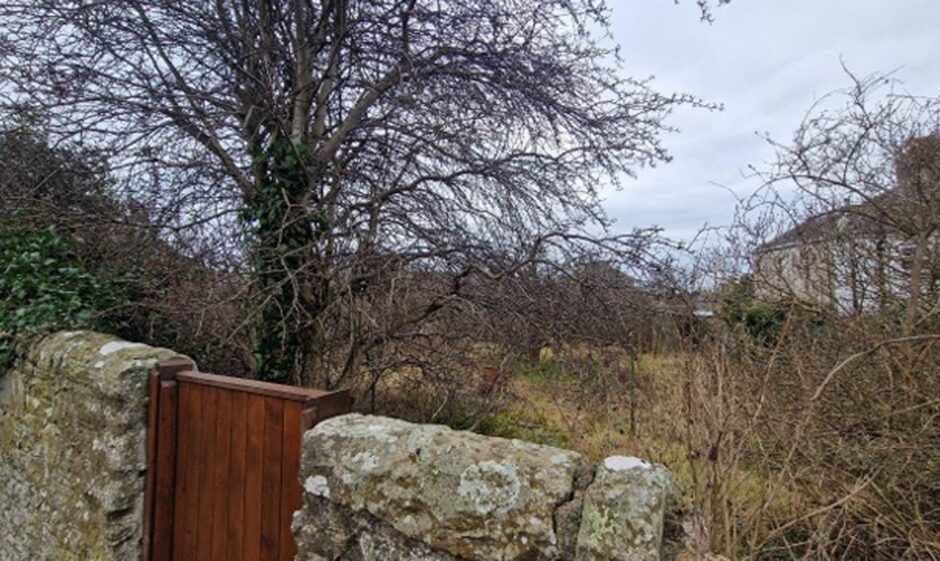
(827, 382)
(861, 230)
(707, 8)
(314, 141)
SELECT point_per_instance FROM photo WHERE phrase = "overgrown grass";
(591, 401)
(777, 453)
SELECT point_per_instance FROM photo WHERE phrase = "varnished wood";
(166, 475)
(291, 492)
(291, 393)
(322, 407)
(187, 481)
(223, 458)
(220, 468)
(208, 415)
(163, 371)
(272, 460)
(237, 478)
(254, 452)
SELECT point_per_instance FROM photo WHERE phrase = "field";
(759, 473)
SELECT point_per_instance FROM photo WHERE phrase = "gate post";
(161, 458)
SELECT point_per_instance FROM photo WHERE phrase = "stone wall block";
(467, 495)
(384, 489)
(72, 448)
(622, 516)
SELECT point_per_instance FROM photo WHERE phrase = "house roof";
(916, 172)
(850, 219)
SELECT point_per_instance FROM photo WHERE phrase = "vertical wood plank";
(187, 480)
(165, 480)
(237, 480)
(208, 417)
(153, 407)
(290, 486)
(254, 452)
(271, 478)
(219, 463)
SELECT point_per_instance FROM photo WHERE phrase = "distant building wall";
(859, 257)
(851, 275)
(799, 271)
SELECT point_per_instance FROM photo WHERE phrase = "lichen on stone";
(460, 493)
(380, 488)
(623, 512)
(72, 441)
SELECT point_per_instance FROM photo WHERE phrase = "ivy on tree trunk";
(283, 246)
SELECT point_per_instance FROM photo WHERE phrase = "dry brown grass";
(821, 447)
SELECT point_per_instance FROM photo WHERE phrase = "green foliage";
(44, 287)
(764, 322)
(761, 321)
(521, 423)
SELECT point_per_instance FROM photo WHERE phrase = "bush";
(761, 321)
(121, 271)
(44, 287)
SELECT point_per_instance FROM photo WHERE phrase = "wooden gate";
(223, 456)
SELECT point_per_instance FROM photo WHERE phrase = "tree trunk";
(290, 289)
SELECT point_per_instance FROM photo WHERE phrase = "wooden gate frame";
(163, 423)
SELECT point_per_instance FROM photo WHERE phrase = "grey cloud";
(767, 61)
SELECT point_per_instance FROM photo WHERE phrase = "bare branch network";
(322, 149)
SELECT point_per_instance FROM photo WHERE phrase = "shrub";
(44, 287)
(760, 321)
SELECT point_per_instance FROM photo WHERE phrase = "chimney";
(918, 167)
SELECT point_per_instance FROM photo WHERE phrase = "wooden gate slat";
(207, 418)
(237, 472)
(220, 468)
(254, 452)
(271, 478)
(187, 488)
(166, 477)
(290, 486)
(162, 416)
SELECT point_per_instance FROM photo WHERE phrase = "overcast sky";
(766, 61)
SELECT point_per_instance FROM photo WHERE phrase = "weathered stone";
(328, 531)
(622, 517)
(459, 493)
(72, 448)
(72, 436)
(568, 515)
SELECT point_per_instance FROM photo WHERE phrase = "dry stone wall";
(72, 449)
(72, 460)
(380, 489)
